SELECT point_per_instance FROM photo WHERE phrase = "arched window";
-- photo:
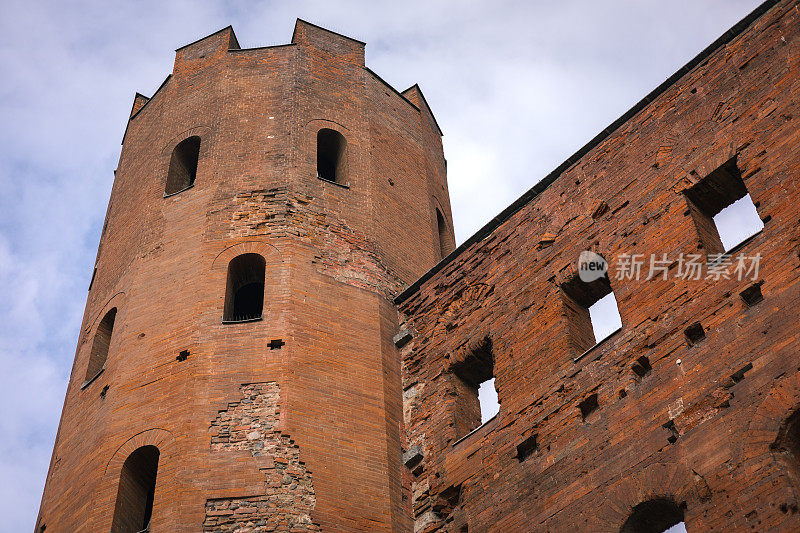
(331, 147)
(244, 297)
(444, 235)
(655, 516)
(102, 340)
(183, 166)
(137, 487)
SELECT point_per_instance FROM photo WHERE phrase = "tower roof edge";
(300, 22)
(233, 39)
(415, 93)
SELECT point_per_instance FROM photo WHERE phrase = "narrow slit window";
(443, 234)
(100, 345)
(331, 147)
(722, 209)
(476, 396)
(592, 312)
(244, 296)
(183, 165)
(659, 515)
(136, 493)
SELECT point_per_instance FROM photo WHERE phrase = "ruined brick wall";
(704, 424)
(335, 255)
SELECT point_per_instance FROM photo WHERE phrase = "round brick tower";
(235, 364)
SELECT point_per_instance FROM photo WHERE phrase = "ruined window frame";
(708, 197)
(475, 367)
(577, 297)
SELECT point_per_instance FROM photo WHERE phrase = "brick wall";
(706, 426)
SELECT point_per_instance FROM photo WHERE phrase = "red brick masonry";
(580, 442)
(320, 364)
(310, 419)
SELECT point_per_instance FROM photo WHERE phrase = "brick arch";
(569, 267)
(703, 165)
(354, 154)
(438, 205)
(269, 252)
(115, 301)
(275, 275)
(202, 131)
(166, 480)
(158, 437)
(467, 300)
(762, 431)
(84, 347)
(659, 480)
(328, 124)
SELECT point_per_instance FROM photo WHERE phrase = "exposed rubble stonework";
(691, 411)
(344, 254)
(288, 500)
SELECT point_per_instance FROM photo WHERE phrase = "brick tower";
(235, 364)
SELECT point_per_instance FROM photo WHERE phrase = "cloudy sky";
(517, 86)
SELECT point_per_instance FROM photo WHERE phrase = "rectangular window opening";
(588, 406)
(476, 396)
(592, 313)
(527, 447)
(722, 209)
